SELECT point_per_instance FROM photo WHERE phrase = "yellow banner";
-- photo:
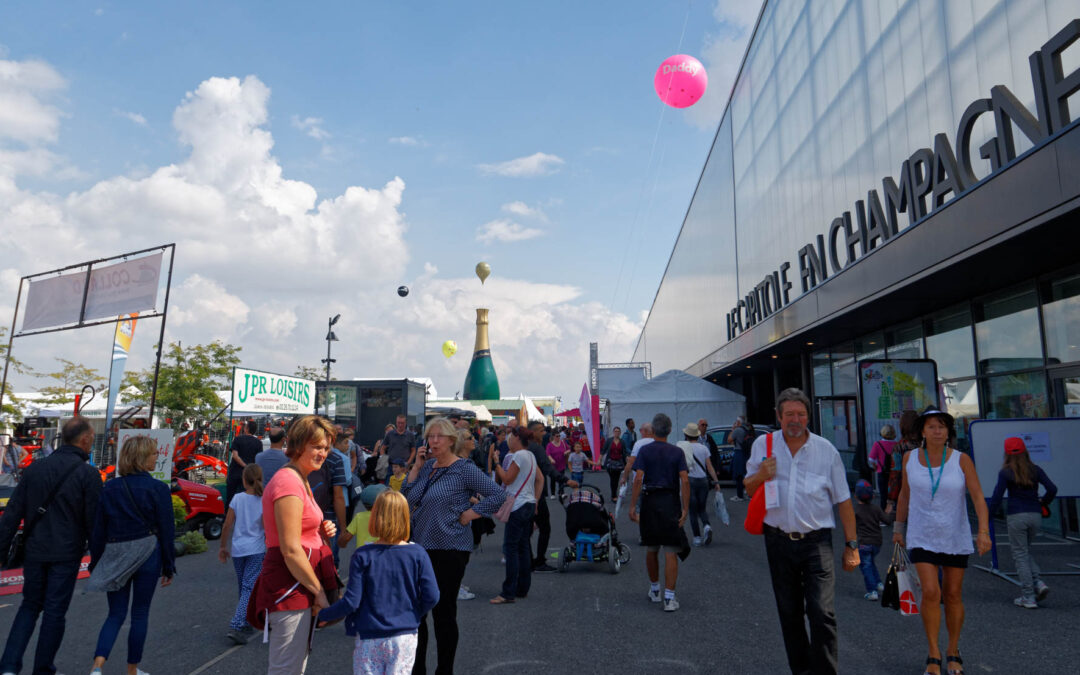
(125, 331)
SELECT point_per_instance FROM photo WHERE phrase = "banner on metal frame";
(121, 288)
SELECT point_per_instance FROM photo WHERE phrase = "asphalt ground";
(589, 620)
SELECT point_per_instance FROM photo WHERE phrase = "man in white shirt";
(646, 438)
(809, 478)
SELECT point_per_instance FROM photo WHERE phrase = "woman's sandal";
(931, 661)
(955, 659)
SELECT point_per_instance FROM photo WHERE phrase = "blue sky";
(454, 99)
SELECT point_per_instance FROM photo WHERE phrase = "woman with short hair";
(438, 487)
(1021, 478)
(298, 567)
(135, 513)
(931, 517)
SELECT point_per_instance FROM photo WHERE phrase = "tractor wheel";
(212, 528)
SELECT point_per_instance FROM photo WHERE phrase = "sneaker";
(1026, 603)
(655, 596)
(708, 535)
(670, 605)
(543, 567)
(697, 541)
(1041, 590)
(872, 595)
(736, 499)
(880, 587)
(464, 594)
(237, 637)
(95, 671)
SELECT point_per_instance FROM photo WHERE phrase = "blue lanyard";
(934, 484)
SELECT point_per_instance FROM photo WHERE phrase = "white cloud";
(409, 141)
(133, 116)
(524, 210)
(312, 126)
(536, 164)
(505, 231)
(722, 55)
(262, 261)
(26, 116)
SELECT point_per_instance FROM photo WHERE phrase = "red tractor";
(205, 506)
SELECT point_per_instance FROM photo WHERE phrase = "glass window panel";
(948, 342)
(870, 347)
(843, 369)
(961, 400)
(822, 373)
(1061, 316)
(1007, 331)
(905, 342)
(1016, 395)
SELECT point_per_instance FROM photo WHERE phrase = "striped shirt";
(439, 496)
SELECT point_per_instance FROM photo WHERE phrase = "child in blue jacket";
(391, 585)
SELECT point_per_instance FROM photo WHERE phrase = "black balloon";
(403, 291)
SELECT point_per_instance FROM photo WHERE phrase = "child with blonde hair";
(391, 586)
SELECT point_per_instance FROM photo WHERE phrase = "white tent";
(532, 412)
(681, 396)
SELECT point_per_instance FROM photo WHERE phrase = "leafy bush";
(194, 542)
(179, 514)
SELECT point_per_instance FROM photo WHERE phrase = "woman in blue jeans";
(133, 506)
(1021, 477)
(524, 482)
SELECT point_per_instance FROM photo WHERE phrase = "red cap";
(1015, 446)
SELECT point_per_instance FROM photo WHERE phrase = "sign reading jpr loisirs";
(254, 391)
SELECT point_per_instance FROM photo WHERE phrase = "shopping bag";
(621, 501)
(755, 512)
(909, 586)
(721, 508)
(890, 597)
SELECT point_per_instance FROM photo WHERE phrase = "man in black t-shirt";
(244, 448)
(660, 471)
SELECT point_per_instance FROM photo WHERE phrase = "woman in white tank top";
(931, 515)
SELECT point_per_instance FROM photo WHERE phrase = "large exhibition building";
(890, 180)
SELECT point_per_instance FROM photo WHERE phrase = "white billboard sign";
(122, 288)
(165, 446)
(257, 392)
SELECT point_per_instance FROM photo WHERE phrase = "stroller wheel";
(614, 564)
(624, 554)
(562, 563)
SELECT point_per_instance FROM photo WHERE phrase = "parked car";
(727, 450)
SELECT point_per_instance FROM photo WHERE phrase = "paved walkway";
(589, 620)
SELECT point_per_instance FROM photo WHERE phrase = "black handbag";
(890, 597)
(16, 552)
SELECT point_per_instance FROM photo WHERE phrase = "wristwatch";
(853, 544)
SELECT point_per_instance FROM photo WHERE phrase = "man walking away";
(809, 478)
(660, 470)
(244, 449)
(273, 458)
(58, 497)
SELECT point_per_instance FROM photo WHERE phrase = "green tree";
(309, 373)
(69, 381)
(189, 380)
(11, 404)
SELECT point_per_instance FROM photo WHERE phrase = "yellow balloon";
(483, 270)
(449, 348)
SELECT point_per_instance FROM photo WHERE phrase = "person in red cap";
(1021, 477)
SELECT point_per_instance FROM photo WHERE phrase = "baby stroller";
(591, 530)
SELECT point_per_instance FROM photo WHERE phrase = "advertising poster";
(256, 392)
(889, 387)
(165, 445)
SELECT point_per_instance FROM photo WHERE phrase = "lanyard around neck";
(941, 469)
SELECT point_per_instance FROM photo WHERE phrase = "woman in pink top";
(298, 566)
(556, 452)
(879, 456)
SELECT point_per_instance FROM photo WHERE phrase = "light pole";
(330, 337)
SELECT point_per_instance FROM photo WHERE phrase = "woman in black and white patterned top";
(438, 488)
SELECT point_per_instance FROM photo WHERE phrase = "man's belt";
(794, 536)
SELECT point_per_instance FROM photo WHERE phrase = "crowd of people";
(419, 504)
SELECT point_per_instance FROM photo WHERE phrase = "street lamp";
(330, 337)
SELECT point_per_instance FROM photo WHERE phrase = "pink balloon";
(680, 81)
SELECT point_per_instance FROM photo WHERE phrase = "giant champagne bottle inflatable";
(481, 383)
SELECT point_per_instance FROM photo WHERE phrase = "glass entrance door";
(1065, 384)
(839, 423)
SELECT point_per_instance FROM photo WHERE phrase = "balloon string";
(644, 182)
